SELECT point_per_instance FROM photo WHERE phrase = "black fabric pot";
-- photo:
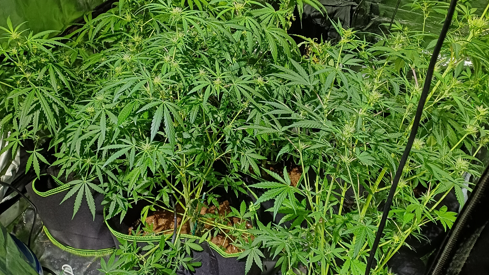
(81, 234)
(213, 263)
(214, 260)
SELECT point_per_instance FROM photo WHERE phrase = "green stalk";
(343, 193)
(374, 190)
(438, 83)
(485, 11)
(404, 117)
(221, 226)
(363, 248)
(477, 151)
(159, 206)
(174, 188)
(327, 197)
(441, 199)
(339, 56)
(425, 16)
(317, 184)
(306, 181)
(406, 234)
(357, 198)
(401, 243)
(429, 192)
(151, 251)
(323, 271)
(184, 220)
(459, 142)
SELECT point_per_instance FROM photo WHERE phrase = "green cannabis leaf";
(82, 188)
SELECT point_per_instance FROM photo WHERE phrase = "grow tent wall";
(42, 15)
(382, 11)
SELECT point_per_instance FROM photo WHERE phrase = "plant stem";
(485, 11)
(183, 221)
(343, 193)
(415, 77)
(392, 252)
(316, 183)
(459, 142)
(220, 225)
(374, 190)
(357, 197)
(438, 83)
(425, 16)
(441, 199)
(174, 188)
(477, 151)
(339, 57)
(151, 251)
(329, 194)
(162, 207)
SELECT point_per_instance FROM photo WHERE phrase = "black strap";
(414, 130)
(394, 14)
(6, 204)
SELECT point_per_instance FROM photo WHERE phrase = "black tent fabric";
(465, 250)
(315, 24)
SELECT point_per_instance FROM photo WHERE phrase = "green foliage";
(253, 255)
(162, 259)
(145, 102)
(345, 118)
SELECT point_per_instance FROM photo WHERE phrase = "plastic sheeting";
(18, 220)
(12, 261)
(8, 165)
(373, 12)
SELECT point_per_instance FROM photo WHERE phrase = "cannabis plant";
(170, 257)
(345, 120)
(36, 85)
(161, 101)
(163, 93)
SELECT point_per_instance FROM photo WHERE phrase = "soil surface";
(162, 221)
(294, 173)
